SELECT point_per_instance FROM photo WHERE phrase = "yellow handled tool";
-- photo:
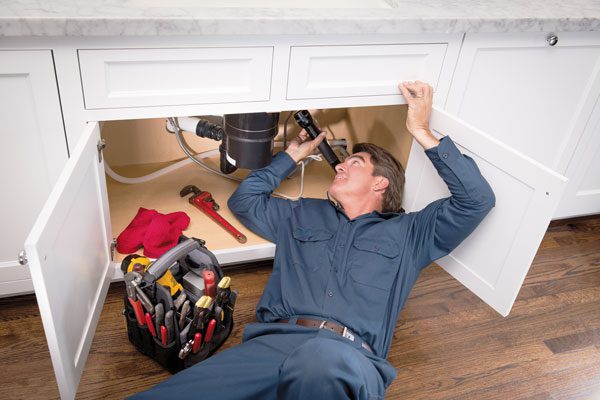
(141, 264)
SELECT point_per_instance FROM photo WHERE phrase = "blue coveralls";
(357, 273)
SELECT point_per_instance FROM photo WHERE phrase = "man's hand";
(419, 97)
(302, 146)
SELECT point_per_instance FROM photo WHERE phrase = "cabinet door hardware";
(113, 247)
(101, 146)
(552, 39)
(22, 258)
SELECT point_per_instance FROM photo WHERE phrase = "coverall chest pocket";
(374, 262)
(312, 247)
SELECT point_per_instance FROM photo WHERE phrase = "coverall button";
(445, 155)
(330, 294)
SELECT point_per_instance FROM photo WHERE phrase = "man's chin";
(333, 193)
(332, 190)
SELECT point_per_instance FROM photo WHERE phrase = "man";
(342, 270)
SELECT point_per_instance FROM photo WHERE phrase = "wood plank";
(447, 344)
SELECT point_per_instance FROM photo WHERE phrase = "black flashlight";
(305, 121)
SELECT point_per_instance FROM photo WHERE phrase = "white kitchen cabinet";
(533, 96)
(70, 243)
(582, 194)
(33, 153)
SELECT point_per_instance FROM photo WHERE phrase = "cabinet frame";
(76, 118)
(49, 261)
(34, 139)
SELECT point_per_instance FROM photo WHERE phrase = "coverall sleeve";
(252, 203)
(441, 226)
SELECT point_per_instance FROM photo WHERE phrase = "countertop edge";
(127, 26)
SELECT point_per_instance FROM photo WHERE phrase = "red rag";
(130, 240)
(179, 219)
(164, 232)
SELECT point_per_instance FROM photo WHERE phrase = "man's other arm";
(252, 203)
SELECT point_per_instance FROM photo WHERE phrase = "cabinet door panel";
(534, 97)
(33, 152)
(582, 195)
(493, 261)
(69, 258)
(361, 70)
(114, 78)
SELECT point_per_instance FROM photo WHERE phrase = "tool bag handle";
(160, 266)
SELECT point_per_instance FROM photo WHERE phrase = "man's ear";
(381, 183)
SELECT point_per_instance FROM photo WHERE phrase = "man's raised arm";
(441, 226)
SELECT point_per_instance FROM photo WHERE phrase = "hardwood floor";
(447, 345)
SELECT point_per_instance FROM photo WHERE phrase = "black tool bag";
(189, 255)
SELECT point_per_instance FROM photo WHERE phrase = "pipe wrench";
(204, 201)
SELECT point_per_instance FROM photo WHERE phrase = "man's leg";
(324, 368)
(247, 371)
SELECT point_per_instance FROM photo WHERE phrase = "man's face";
(354, 178)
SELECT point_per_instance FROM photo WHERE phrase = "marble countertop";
(224, 17)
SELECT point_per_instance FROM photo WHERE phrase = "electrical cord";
(132, 181)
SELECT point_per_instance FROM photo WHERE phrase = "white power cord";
(156, 174)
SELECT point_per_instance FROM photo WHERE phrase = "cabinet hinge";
(113, 248)
(101, 146)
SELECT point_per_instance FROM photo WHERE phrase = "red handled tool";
(150, 324)
(197, 342)
(133, 300)
(163, 335)
(210, 330)
(204, 201)
(209, 283)
(137, 309)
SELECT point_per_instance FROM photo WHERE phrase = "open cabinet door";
(68, 252)
(493, 261)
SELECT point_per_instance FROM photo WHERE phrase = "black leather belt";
(332, 326)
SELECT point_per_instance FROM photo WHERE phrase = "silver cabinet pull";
(552, 39)
(22, 257)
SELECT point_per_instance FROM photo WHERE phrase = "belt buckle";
(346, 333)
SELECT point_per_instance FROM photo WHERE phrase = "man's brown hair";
(387, 166)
